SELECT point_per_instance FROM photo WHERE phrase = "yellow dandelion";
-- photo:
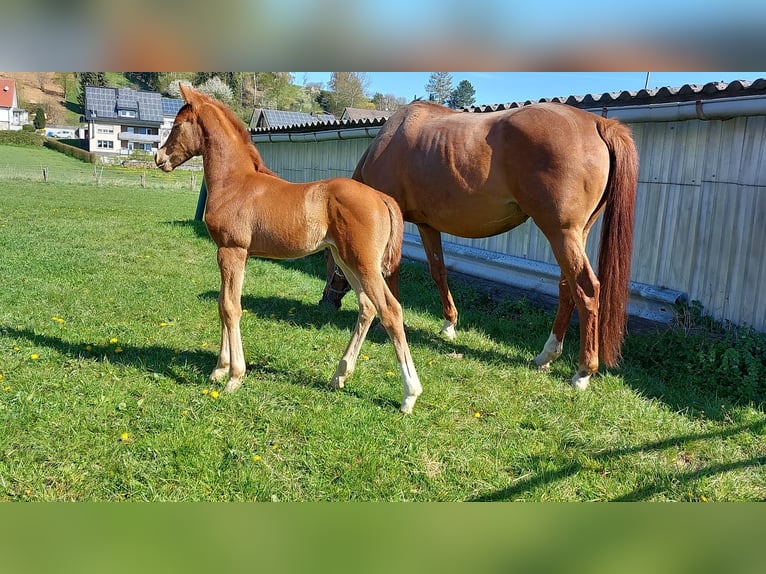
(389, 373)
(477, 414)
(125, 437)
(16, 348)
(34, 356)
(163, 324)
(1, 376)
(184, 412)
(704, 498)
(214, 394)
(113, 340)
(57, 319)
(365, 358)
(256, 457)
(204, 344)
(205, 391)
(7, 388)
(118, 349)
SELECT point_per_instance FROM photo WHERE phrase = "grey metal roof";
(685, 93)
(106, 103)
(269, 119)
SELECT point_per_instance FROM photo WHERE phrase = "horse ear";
(188, 93)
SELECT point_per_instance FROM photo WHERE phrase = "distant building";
(263, 118)
(123, 120)
(12, 117)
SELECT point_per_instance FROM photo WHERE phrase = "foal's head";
(185, 139)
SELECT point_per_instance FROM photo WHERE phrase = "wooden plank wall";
(700, 212)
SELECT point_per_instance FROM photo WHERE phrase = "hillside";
(46, 89)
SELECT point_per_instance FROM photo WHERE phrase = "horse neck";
(224, 152)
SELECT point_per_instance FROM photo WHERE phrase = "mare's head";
(185, 139)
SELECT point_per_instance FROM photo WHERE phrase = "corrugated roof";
(270, 119)
(685, 93)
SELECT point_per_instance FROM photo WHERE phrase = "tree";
(217, 88)
(462, 96)
(349, 91)
(278, 91)
(39, 120)
(439, 86)
(388, 102)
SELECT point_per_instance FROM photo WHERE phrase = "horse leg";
(391, 317)
(347, 363)
(231, 360)
(584, 289)
(432, 244)
(555, 343)
(336, 285)
(390, 312)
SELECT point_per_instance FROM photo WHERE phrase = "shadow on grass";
(646, 491)
(305, 315)
(522, 320)
(185, 367)
(197, 226)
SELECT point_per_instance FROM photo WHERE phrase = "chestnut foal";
(252, 212)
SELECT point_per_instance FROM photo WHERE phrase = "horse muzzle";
(162, 160)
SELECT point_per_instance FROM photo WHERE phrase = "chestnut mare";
(251, 212)
(480, 174)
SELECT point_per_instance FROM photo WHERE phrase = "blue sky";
(501, 87)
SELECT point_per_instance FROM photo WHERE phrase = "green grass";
(26, 163)
(109, 329)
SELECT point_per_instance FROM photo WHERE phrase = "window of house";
(106, 144)
(127, 113)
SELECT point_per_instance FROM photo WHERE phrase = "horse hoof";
(448, 330)
(232, 385)
(580, 382)
(542, 363)
(407, 405)
(218, 375)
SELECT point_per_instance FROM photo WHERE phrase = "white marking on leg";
(550, 353)
(412, 388)
(448, 330)
(580, 382)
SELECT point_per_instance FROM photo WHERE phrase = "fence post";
(201, 201)
(45, 174)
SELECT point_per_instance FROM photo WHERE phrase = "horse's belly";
(468, 221)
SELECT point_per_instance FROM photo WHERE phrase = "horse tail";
(392, 255)
(616, 238)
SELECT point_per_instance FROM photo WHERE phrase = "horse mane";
(243, 134)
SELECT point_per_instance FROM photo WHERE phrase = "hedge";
(21, 137)
(71, 151)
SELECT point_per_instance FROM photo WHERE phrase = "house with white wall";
(123, 120)
(12, 117)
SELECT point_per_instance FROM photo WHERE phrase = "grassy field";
(109, 329)
(22, 163)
